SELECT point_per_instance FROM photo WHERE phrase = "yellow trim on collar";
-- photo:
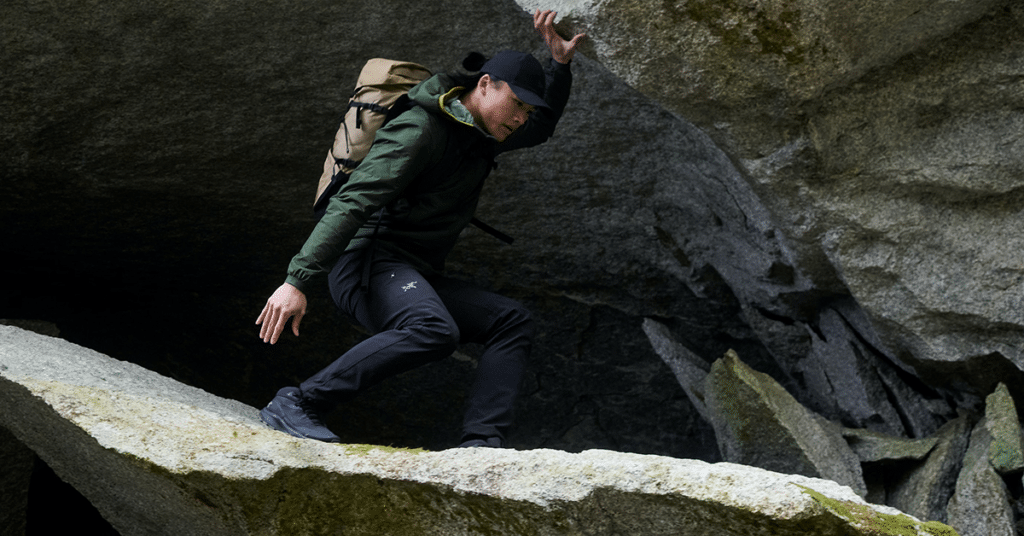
(442, 102)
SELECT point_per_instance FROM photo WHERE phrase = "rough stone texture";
(16, 462)
(1006, 453)
(926, 489)
(689, 369)
(758, 423)
(874, 447)
(158, 173)
(928, 257)
(832, 189)
(860, 386)
(159, 457)
(748, 68)
(880, 136)
(980, 506)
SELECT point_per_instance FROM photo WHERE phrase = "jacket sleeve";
(403, 148)
(542, 122)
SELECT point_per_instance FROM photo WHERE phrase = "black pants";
(416, 320)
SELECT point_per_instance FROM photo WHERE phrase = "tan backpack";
(380, 85)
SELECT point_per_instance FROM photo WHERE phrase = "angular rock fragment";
(1006, 454)
(925, 491)
(688, 367)
(847, 375)
(159, 457)
(758, 423)
(980, 506)
(873, 446)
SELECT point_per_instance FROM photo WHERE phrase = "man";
(385, 233)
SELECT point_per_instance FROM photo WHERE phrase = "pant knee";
(439, 335)
(520, 319)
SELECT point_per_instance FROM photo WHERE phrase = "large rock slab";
(745, 69)
(930, 257)
(158, 457)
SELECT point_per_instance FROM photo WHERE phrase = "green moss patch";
(363, 450)
(877, 523)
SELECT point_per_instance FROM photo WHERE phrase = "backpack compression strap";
(372, 106)
(492, 231)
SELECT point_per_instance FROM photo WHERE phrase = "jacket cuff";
(297, 283)
(555, 64)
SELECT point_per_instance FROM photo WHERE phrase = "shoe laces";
(310, 411)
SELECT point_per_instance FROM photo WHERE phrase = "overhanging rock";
(159, 457)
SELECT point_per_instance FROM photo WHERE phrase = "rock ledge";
(156, 456)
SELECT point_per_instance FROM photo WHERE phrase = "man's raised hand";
(562, 50)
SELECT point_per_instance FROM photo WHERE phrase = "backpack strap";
(364, 281)
(492, 231)
(339, 178)
(403, 104)
(372, 106)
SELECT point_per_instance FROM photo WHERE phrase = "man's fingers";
(264, 314)
(268, 326)
(562, 49)
(542, 20)
(281, 320)
(269, 320)
(576, 41)
(286, 302)
(262, 321)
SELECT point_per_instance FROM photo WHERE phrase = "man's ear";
(484, 83)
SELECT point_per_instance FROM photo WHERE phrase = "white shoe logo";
(412, 285)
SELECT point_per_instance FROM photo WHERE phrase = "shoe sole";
(278, 424)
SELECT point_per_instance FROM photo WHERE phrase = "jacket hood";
(439, 95)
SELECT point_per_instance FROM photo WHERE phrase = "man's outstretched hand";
(286, 302)
(562, 50)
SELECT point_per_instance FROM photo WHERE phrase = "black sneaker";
(289, 413)
(479, 441)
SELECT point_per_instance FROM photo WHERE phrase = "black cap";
(522, 72)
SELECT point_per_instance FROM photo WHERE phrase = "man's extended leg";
(505, 329)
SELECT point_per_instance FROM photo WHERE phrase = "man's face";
(501, 111)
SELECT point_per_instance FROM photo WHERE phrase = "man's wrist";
(296, 282)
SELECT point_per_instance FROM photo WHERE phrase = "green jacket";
(427, 167)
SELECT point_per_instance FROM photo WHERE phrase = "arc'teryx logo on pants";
(411, 285)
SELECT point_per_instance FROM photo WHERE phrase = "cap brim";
(528, 97)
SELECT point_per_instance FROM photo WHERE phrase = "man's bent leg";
(411, 324)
